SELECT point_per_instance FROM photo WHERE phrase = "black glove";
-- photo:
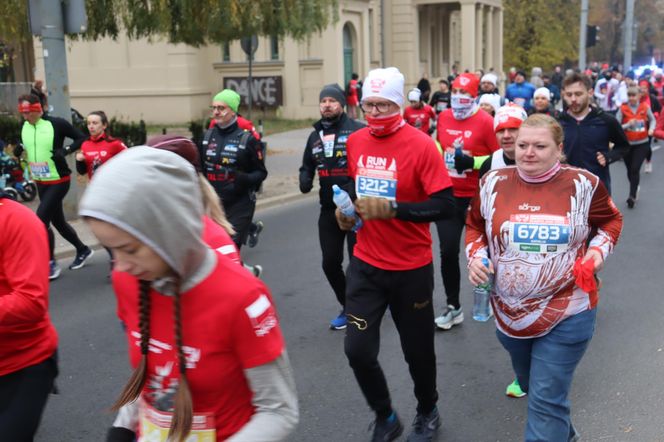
(431, 130)
(119, 434)
(463, 162)
(18, 150)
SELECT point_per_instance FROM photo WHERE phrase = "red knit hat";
(468, 82)
(509, 116)
(177, 144)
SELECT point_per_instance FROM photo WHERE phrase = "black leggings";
(449, 235)
(332, 240)
(633, 161)
(50, 212)
(240, 214)
(408, 294)
(24, 394)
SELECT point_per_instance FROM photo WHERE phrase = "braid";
(183, 413)
(135, 384)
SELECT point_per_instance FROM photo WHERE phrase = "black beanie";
(333, 91)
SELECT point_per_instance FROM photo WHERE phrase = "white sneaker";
(648, 167)
(449, 317)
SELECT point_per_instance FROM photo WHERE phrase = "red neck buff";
(546, 176)
(29, 107)
(384, 126)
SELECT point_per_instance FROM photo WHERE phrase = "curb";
(69, 252)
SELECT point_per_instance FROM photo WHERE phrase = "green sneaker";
(514, 390)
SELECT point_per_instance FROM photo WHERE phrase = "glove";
(18, 150)
(463, 162)
(431, 130)
(119, 434)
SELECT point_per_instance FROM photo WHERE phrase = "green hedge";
(131, 133)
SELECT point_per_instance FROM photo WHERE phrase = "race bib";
(40, 170)
(449, 163)
(539, 233)
(155, 425)
(441, 106)
(328, 145)
(376, 183)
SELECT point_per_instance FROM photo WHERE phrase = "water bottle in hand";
(482, 293)
(345, 205)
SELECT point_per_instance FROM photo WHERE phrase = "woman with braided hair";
(203, 334)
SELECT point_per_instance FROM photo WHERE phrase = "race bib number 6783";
(539, 233)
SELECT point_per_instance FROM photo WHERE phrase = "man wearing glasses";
(233, 164)
(401, 185)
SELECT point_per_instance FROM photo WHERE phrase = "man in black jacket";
(325, 152)
(589, 130)
(233, 163)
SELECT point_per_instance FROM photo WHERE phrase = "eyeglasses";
(218, 108)
(380, 107)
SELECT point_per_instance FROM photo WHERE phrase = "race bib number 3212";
(376, 184)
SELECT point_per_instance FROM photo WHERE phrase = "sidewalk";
(281, 186)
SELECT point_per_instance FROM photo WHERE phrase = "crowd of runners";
(525, 174)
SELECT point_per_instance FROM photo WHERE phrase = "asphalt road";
(617, 393)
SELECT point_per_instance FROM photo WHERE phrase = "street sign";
(249, 44)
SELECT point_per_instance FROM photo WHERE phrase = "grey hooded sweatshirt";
(154, 195)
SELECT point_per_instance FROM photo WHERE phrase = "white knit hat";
(384, 83)
(509, 116)
(414, 94)
(492, 99)
(542, 92)
(491, 78)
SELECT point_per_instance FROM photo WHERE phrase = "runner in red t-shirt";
(99, 147)
(353, 96)
(28, 340)
(419, 114)
(464, 132)
(190, 314)
(401, 186)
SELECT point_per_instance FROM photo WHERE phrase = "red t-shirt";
(218, 239)
(27, 336)
(352, 99)
(99, 150)
(478, 139)
(229, 324)
(405, 166)
(420, 118)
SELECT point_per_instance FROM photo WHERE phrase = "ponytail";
(183, 412)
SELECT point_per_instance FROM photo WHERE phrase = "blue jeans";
(544, 367)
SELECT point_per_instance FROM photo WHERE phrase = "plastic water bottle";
(482, 306)
(345, 205)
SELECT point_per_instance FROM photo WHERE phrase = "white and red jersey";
(27, 336)
(218, 239)
(229, 325)
(420, 118)
(99, 150)
(404, 166)
(478, 138)
(533, 234)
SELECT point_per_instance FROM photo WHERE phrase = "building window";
(226, 56)
(274, 48)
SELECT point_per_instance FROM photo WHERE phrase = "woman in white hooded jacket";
(203, 333)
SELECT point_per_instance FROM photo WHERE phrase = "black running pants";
(449, 236)
(24, 394)
(239, 214)
(332, 240)
(633, 161)
(50, 212)
(408, 294)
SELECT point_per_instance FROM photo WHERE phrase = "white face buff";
(462, 106)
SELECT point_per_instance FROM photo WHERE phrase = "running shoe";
(81, 258)
(53, 270)
(514, 390)
(630, 202)
(386, 430)
(449, 317)
(255, 270)
(425, 426)
(648, 167)
(339, 323)
(256, 229)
